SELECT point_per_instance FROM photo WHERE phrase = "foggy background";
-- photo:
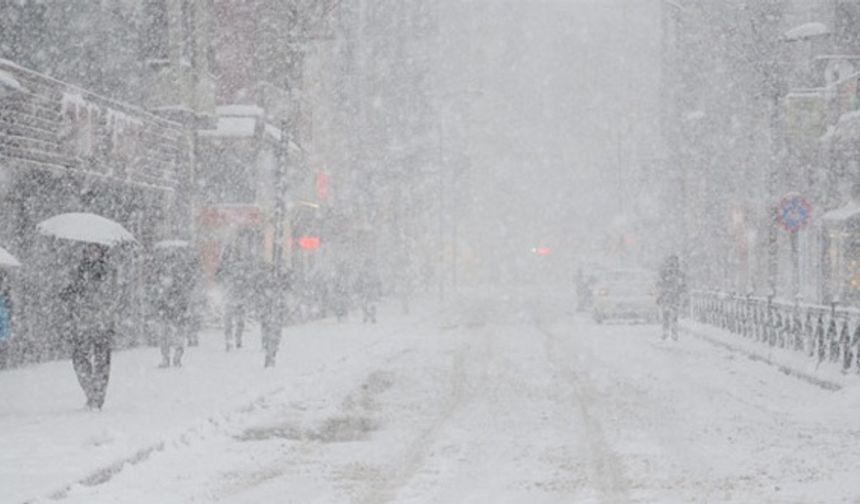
(563, 122)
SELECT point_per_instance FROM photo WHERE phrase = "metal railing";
(825, 333)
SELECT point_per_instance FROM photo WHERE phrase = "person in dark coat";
(671, 287)
(368, 290)
(339, 292)
(174, 287)
(233, 274)
(271, 305)
(90, 302)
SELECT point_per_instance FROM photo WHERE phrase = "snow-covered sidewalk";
(49, 441)
(508, 398)
(827, 374)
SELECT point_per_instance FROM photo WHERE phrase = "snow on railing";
(826, 333)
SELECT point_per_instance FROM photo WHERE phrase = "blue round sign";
(793, 212)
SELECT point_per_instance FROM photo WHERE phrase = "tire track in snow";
(385, 490)
(605, 466)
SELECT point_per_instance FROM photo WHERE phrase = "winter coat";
(172, 296)
(90, 299)
(234, 274)
(270, 296)
(671, 287)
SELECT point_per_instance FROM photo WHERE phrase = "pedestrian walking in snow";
(172, 299)
(89, 300)
(671, 287)
(271, 305)
(233, 274)
(367, 289)
(5, 308)
(339, 292)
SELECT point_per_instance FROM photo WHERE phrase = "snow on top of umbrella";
(7, 259)
(85, 227)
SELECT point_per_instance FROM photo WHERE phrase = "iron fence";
(825, 333)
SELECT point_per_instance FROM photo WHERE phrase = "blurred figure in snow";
(367, 288)
(584, 287)
(339, 292)
(233, 274)
(91, 304)
(175, 283)
(671, 287)
(271, 305)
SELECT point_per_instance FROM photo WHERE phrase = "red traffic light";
(309, 242)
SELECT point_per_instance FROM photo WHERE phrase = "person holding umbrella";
(89, 299)
(91, 296)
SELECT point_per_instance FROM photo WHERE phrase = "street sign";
(793, 212)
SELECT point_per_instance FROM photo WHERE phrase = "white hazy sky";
(568, 96)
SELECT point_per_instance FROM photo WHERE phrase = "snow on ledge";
(843, 213)
(235, 127)
(806, 30)
(240, 111)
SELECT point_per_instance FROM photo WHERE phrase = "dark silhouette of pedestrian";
(271, 305)
(671, 287)
(173, 291)
(90, 303)
(233, 274)
(368, 289)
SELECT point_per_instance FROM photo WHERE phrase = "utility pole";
(298, 34)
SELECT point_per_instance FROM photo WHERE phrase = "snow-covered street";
(495, 398)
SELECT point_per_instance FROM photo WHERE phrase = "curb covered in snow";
(761, 356)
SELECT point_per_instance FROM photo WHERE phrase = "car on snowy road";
(627, 294)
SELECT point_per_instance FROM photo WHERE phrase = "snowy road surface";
(509, 398)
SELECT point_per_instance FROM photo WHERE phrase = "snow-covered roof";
(7, 80)
(852, 209)
(240, 111)
(807, 30)
(275, 133)
(233, 127)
